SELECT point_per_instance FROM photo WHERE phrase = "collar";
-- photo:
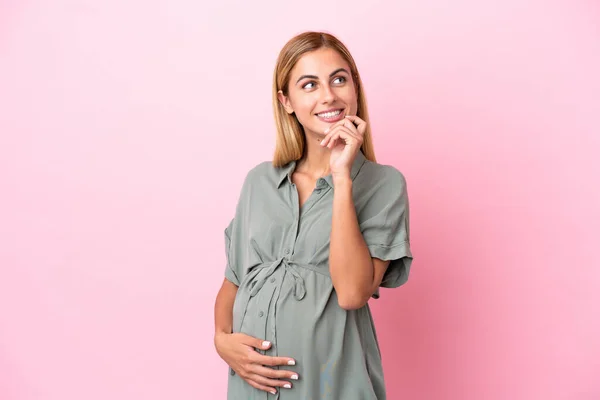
(287, 170)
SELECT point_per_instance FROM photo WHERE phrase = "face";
(320, 91)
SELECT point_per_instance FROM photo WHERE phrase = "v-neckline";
(310, 200)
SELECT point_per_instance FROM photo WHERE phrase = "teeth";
(330, 114)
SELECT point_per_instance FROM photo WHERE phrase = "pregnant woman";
(316, 232)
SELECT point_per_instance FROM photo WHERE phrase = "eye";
(340, 77)
(305, 86)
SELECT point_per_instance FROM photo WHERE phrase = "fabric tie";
(299, 286)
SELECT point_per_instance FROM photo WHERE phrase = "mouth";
(331, 115)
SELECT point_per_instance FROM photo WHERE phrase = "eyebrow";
(316, 77)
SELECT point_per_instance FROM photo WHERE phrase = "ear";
(285, 102)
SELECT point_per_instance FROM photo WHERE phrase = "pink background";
(126, 129)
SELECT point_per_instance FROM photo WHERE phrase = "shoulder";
(260, 170)
(255, 187)
(381, 178)
(380, 189)
(263, 173)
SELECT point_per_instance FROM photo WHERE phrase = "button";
(272, 280)
(231, 372)
(260, 314)
(287, 251)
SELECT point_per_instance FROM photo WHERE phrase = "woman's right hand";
(238, 351)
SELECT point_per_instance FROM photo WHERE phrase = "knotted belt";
(256, 280)
(299, 286)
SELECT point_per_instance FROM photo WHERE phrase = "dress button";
(232, 372)
(260, 314)
(272, 280)
(287, 251)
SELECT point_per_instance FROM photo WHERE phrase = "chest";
(294, 219)
(304, 187)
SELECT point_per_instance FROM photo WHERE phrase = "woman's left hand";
(345, 139)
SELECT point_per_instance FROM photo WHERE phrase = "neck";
(315, 161)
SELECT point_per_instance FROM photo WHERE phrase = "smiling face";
(321, 91)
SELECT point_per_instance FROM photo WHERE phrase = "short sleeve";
(230, 272)
(236, 232)
(386, 230)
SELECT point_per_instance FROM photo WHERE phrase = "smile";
(331, 116)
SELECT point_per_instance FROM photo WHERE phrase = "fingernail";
(295, 377)
(326, 130)
(291, 362)
(287, 386)
(266, 343)
(273, 391)
(322, 141)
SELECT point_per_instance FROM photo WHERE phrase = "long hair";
(290, 141)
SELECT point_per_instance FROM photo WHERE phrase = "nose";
(327, 95)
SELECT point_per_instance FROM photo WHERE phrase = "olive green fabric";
(277, 253)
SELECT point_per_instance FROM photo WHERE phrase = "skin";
(331, 149)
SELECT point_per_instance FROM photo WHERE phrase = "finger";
(329, 138)
(335, 138)
(261, 380)
(273, 361)
(361, 124)
(333, 141)
(340, 122)
(275, 373)
(342, 134)
(330, 135)
(258, 386)
(350, 125)
(355, 119)
(254, 342)
(346, 139)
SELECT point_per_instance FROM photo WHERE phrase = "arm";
(355, 275)
(224, 308)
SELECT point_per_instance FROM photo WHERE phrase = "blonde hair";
(290, 141)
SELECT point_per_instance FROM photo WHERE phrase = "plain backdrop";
(127, 128)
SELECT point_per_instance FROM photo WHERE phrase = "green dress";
(277, 253)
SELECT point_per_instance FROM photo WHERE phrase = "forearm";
(350, 263)
(224, 308)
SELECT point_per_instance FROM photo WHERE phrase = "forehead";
(319, 62)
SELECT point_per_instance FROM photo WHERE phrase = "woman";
(316, 232)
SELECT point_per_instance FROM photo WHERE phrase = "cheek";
(304, 108)
(349, 96)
